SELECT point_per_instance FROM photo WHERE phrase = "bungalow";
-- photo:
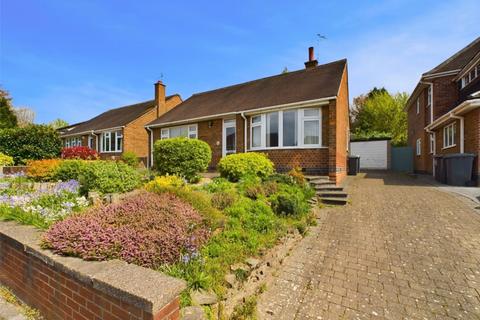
(299, 118)
(444, 111)
(122, 129)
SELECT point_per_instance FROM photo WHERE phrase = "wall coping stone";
(145, 288)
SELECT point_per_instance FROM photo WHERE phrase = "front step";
(311, 178)
(328, 188)
(334, 201)
(332, 194)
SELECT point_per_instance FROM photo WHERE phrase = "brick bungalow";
(122, 129)
(443, 110)
(298, 118)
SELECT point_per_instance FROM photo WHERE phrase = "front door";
(229, 137)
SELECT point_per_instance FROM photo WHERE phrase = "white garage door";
(373, 154)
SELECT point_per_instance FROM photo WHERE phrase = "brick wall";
(445, 95)
(339, 110)
(70, 288)
(135, 137)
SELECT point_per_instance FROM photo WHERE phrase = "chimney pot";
(312, 62)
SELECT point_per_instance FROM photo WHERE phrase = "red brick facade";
(60, 296)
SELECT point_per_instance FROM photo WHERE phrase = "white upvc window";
(429, 96)
(187, 131)
(470, 76)
(292, 128)
(449, 135)
(90, 142)
(418, 105)
(419, 146)
(432, 143)
(111, 141)
(73, 142)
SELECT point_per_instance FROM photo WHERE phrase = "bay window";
(288, 128)
(111, 141)
(187, 131)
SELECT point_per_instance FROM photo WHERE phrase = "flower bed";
(21, 201)
(146, 229)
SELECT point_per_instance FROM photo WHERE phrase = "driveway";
(400, 250)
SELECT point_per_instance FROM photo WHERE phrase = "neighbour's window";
(187, 131)
(449, 135)
(432, 143)
(470, 76)
(418, 105)
(288, 128)
(73, 142)
(429, 96)
(90, 142)
(111, 141)
(419, 147)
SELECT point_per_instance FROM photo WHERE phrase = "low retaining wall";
(13, 169)
(70, 288)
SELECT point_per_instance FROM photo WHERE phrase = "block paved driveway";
(400, 250)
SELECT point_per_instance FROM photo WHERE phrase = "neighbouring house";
(443, 111)
(299, 118)
(122, 129)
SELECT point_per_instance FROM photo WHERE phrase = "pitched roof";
(112, 118)
(458, 60)
(297, 86)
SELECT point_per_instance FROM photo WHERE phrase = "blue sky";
(75, 59)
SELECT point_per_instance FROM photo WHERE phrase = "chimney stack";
(312, 62)
(160, 98)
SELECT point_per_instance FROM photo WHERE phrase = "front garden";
(169, 219)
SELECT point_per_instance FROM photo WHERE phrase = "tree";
(58, 123)
(25, 116)
(7, 115)
(379, 113)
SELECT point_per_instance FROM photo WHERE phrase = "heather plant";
(182, 157)
(222, 200)
(237, 166)
(147, 229)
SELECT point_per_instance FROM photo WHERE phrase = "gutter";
(294, 105)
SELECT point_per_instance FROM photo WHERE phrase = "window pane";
(311, 132)
(112, 141)
(119, 143)
(230, 139)
(310, 113)
(290, 130)
(272, 129)
(179, 132)
(256, 136)
(257, 119)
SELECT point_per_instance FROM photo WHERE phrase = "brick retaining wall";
(70, 288)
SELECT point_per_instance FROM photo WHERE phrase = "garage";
(374, 154)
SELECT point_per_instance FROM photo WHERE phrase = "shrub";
(219, 185)
(5, 160)
(251, 187)
(291, 200)
(70, 170)
(42, 170)
(297, 176)
(130, 158)
(33, 142)
(269, 188)
(109, 177)
(280, 178)
(182, 157)
(165, 181)
(84, 153)
(146, 229)
(236, 166)
(223, 200)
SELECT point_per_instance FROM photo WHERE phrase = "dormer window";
(470, 76)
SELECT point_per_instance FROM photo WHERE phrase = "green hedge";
(33, 142)
(237, 166)
(182, 157)
(109, 177)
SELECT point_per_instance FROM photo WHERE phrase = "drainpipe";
(150, 160)
(242, 114)
(434, 151)
(431, 121)
(462, 133)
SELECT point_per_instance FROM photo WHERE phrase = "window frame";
(432, 143)
(191, 129)
(301, 119)
(418, 105)
(449, 133)
(429, 96)
(113, 136)
(419, 147)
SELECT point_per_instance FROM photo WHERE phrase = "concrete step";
(334, 201)
(322, 183)
(313, 178)
(332, 194)
(328, 187)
